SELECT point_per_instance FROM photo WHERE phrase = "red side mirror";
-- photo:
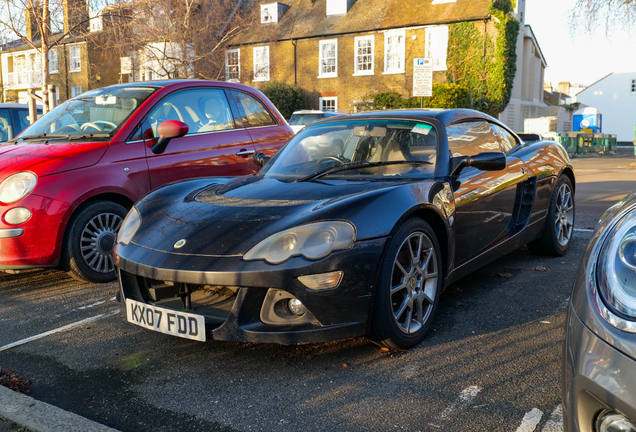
(172, 129)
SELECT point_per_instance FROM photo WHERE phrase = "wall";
(348, 88)
(613, 97)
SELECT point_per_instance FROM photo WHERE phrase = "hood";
(45, 159)
(222, 220)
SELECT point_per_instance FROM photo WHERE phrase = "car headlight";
(313, 241)
(129, 227)
(17, 186)
(616, 270)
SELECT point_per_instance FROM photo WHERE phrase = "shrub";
(444, 96)
(286, 98)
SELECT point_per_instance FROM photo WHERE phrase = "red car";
(69, 179)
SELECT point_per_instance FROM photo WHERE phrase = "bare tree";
(40, 24)
(589, 14)
(176, 38)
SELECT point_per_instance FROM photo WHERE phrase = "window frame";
(256, 70)
(321, 43)
(53, 53)
(435, 33)
(274, 16)
(76, 87)
(75, 67)
(356, 56)
(402, 51)
(238, 65)
(321, 100)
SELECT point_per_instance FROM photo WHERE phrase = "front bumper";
(596, 377)
(339, 313)
(40, 237)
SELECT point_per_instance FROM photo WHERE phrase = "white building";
(615, 97)
(526, 100)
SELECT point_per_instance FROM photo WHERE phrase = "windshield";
(96, 112)
(356, 149)
(303, 119)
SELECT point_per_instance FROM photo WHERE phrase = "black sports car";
(353, 228)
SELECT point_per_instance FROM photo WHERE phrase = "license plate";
(181, 324)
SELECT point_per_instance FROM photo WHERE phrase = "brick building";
(338, 51)
(76, 64)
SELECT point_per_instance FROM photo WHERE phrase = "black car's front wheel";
(87, 253)
(559, 224)
(408, 288)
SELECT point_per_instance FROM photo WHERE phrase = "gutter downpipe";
(294, 43)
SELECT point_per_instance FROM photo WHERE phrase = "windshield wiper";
(358, 165)
(88, 135)
(38, 136)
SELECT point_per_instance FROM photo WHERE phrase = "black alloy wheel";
(409, 286)
(87, 253)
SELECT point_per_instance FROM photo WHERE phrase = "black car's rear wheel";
(409, 286)
(559, 224)
(91, 235)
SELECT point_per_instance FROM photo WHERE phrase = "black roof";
(444, 116)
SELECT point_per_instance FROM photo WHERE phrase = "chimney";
(32, 30)
(75, 16)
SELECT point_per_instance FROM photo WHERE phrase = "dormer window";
(268, 14)
(338, 7)
(271, 12)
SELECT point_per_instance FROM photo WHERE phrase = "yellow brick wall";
(347, 87)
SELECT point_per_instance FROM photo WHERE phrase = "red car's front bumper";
(36, 242)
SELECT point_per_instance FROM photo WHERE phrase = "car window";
(6, 131)
(471, 138)
(376, 148)
(203, 110)
(253, 112)
(507, 140)
(304, 119)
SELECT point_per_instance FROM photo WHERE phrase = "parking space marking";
(467, 395)
(530, 420)
(555, 423)
(57, 330)
(96, 303)
(583, 230)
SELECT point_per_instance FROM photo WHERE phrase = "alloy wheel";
(414, 282)
(564, 217)
(97, 241)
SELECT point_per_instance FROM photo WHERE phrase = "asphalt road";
(490, 363)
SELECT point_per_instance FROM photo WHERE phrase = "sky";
(579, 58)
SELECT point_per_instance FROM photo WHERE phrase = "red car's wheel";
(92, 233)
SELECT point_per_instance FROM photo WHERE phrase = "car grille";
(212, 301)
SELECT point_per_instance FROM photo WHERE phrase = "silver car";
(599, 363)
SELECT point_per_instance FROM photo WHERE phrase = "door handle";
(245, 152)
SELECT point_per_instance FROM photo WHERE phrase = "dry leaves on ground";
(11, 380)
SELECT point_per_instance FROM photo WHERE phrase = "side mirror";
(260, 159)
(485, 161)
(167, 130)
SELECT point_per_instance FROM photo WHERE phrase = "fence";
(582, 143)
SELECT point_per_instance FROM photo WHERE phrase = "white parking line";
(96, 303)
(467, 395)
(583, 230)
(57, 330)
(530, 420)
(555, 423)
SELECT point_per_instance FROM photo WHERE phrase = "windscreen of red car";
(357, 149)
(96, 112)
